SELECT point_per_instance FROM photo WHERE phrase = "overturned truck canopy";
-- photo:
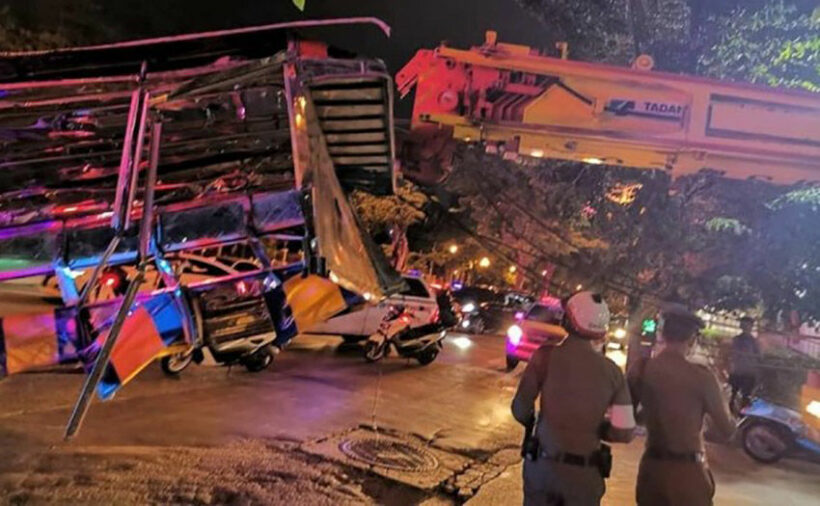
(130, 152)
(246, 115)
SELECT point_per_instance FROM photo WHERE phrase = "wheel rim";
(180, 361)
(374, 351)
(763, 442)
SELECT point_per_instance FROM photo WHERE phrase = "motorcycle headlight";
(465, 324)
(813, 408)
(514, 334)
(468, 307)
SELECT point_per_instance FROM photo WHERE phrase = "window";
(415, 288)
(546, 314)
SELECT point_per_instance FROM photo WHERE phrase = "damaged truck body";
(124, 157)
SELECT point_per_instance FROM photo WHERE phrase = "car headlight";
(813, 408)
(468, 307)
(465, 324)
(619, 333)
(514, 334)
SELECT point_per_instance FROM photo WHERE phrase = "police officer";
(577, 387)
(743, 360)
(676, 394)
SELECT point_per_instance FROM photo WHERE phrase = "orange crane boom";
(519, 103)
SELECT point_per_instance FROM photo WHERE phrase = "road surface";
(220, 436)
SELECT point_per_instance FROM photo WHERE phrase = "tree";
(777, 45)
(596, 30)
(14, 37)
(379, 214)
(62, 24)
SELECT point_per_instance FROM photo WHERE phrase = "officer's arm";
(716, 407)
(523, 404)
(621, 425)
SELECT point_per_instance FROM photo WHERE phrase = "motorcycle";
(472, 319)
(232, 324)
(769, 432)
(421, 343)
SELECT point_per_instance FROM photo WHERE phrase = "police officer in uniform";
(676, 394)
(577, 386)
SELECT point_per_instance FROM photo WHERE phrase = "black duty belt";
(658, 454)
(572, 459)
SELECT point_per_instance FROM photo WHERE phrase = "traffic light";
(648, 327)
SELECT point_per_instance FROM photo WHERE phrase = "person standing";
(566, 462)
(676, 394)
(743, 361)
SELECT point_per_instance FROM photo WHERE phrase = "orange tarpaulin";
(313, 299)
(138, 345)
(30, 341)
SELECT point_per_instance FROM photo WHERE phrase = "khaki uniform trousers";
(674, 483)
(548, 483)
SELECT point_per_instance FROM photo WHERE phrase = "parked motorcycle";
(233, 324)
(472, 319)
(421, 343)
(770, 432)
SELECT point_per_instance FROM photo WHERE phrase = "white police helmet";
(588, 314)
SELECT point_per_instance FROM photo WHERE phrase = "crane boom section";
(522, 104)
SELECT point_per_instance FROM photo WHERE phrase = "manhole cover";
(389, 453)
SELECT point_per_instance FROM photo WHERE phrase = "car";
(539, 325)
(359, 322)
(478, 309)
(617, 336)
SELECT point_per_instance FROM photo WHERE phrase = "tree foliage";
(15, 37)
(379, 214)
(777, 45)
(596, 30)
(57, 24)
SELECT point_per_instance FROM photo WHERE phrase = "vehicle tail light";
(406, 319)
(241, 288)
(111, 280)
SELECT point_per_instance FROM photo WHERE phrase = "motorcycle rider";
(676, 394)
(577, 386)
(743, 359)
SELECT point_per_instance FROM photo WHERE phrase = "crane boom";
(519, 103)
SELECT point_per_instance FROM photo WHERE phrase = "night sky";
(416, 23)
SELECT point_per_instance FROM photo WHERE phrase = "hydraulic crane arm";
(519, 103)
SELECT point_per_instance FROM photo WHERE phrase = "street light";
(513, 269)
(453, 249)
(484, 262)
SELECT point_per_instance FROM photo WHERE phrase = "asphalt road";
(218, 436)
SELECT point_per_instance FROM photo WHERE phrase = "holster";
(604, 460)
(530, 446)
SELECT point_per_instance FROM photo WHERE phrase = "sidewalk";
(740, 482)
